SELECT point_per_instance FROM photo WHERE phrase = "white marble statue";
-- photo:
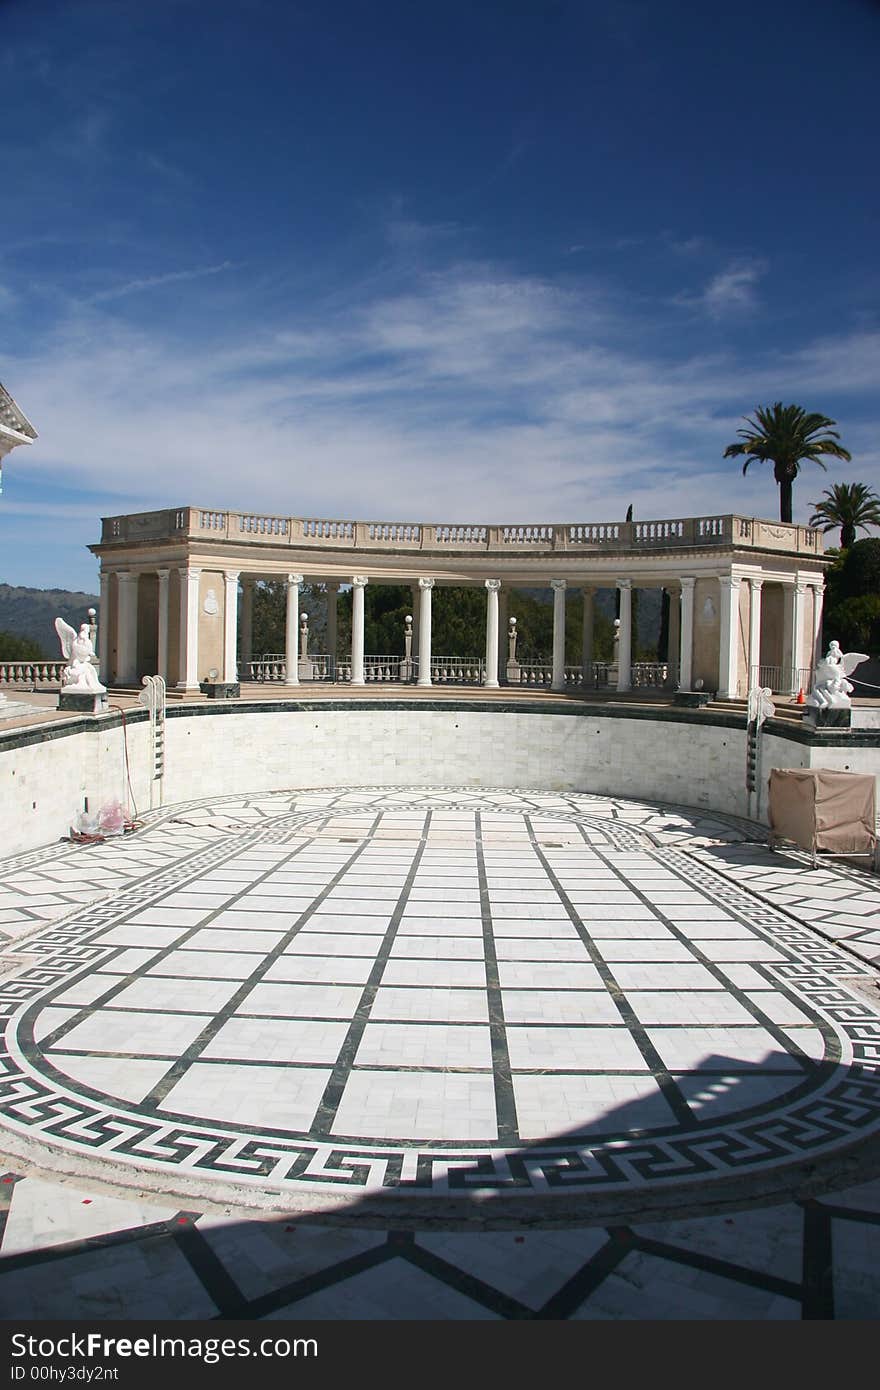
(80, 675)
(831, 689)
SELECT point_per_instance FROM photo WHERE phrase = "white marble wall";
(42, 786)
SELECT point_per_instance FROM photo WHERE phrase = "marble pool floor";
(438, 1054)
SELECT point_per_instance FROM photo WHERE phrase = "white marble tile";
(558, 1106)
(290, 1040)
(432, 1003)
(572, 1048)
(417, 1105)
(425, 1045)
(719, 1049)
(271, 1097)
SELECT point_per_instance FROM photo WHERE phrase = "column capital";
(687, 581)
(493, 585)
(623, 583)
(426, 583)
(800, 586)
(231, 576)
(360, 581)
(163, 575)
(187, 572)
(558, 584)
(756, 581)
(730, 581)
(294, 581)
(124, 576)
(332, 586)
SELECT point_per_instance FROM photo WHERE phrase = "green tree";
(15, 648)
(851, 506)
(852, 597)
(786, 435)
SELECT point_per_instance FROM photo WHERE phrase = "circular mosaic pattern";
(381, 996)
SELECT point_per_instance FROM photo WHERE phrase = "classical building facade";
(177, 590)
(15, 427)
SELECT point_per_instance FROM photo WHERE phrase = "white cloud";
(732, 291)
(476, 395)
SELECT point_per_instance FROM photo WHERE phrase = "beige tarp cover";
(823, 809)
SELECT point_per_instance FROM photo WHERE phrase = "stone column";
(358, 584)
(188, 665)
(673, 640)
(818, 600)
(728, 637)
(162, 644)
(589, 622)
(492, 587)
(558, 679)
(291, 631)
(104, 630)
(416, 609)
(247, 626)
(797, 634)
(425, 587)
(787, 661)
(624, 646)
(332, 625)
(755, 586)
(230, 627)
(126, 628)
(686, 654)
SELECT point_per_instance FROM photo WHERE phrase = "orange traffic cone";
(800, 697)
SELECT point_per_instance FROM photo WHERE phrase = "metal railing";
(782, 680)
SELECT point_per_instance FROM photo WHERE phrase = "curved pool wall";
(697, 759)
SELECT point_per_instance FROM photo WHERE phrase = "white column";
(755, 587)
(624, 644)
(492, 587)
(104, 630)
(729, 636)
(673, 636)
(230, 627)
(332, 624)
(587, 635)
(126, 628)
(425, 587)
(358, 584)
(818, 600)
(162, 642)
(188, 666)
(797, 634)
(686, 655)
(291, 631)
(247, 626)
(558, 678)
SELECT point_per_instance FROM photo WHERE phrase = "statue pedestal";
(839, 718)
(305, 669)
(220, 690)
(83, 701)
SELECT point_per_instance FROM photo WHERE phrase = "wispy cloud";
(152, 282)
(733, 290)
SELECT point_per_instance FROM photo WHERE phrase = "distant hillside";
(32, 613)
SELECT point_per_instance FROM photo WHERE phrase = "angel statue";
(831, 689)
(78, 649)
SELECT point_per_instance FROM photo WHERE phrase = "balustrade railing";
(42, 673)
(782, 680)
(467, 538)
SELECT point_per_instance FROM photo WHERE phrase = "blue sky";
(494, 260)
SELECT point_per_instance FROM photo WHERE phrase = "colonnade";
(739, 638)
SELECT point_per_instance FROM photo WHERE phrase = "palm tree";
(785, 435)
(851, 506)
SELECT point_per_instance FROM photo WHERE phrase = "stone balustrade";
(366, 536)
(33, 673)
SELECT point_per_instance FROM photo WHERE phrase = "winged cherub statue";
(831, 689)
(77, 648)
